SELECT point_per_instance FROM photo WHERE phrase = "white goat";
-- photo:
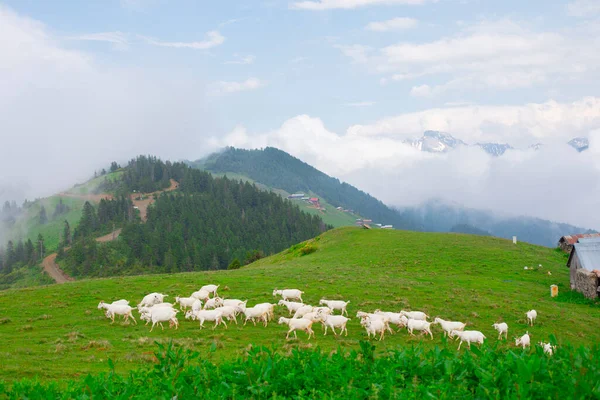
(287, 294)
(419, 315)
(419, 325)
(213, 303)
(502, 328)
(394, 318)
(163, 314)
(469, 337)
(210, 315)
(335, 321)
(531, 316)
(152, 299)
(548, 348)
(256, 313)
(120, 309)
(292, 306)
(375, 326)
(229, 312)
(197, 305)
(449, 326)
(374, 316)
(299, 324)
(269, 308)
(185, 302)
(523, 341)
(233, 302)
(336, 305)
(201, 295)
(305, 309)
(210, 289)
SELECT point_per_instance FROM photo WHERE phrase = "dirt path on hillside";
(111, 236)
(148, 198)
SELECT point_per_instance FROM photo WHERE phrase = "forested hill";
(278, 169)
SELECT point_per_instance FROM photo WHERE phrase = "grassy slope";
(331, 215)
(57, 331)
(90, 186)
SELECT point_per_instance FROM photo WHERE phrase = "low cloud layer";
(545, 183)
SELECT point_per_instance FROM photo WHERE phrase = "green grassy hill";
(57, 332)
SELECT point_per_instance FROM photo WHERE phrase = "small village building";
(566, 242)
(296, 196)
(584, 266)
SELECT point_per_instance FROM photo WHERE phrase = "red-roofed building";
(566, 242)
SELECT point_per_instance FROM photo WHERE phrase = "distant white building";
(387, 227)
(296, 196)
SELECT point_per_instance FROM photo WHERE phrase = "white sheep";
(210, 289)
(468, 336)
(305, 309)
(419, 325)
(335, 321)
(548, 348)
(201, 295)
(523, 341)
(394, 318)
(163, 314)
(502, 328)
(292, 306)
(185, 302)
(531, 316)
(213, 303)
(152, 299)
(449, 326)
(120, 309)
(287, 294)
(375, 326)
(210, 315)
(418, 315)
(256, 313)
(300, 324)
(336, 305)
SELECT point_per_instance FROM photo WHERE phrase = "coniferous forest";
(208, 224)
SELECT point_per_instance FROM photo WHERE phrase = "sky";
(338, 83)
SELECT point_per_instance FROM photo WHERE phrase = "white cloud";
(519, 182)
(213, 39)
(583, 8)
(488, 55)
(321, 5)
(226, 87)
(395, 24)
(242, 60)
(421, 91)
(119, 40)
(360, 104)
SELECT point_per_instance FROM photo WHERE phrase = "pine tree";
(41, 248)
(66, 234)
(43, 217)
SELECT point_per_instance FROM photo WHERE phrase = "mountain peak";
(579, 143)
(495, 149)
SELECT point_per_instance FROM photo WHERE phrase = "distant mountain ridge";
(278, 169)
(442, 142)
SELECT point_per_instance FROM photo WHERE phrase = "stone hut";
(566, 242)
(584, 265)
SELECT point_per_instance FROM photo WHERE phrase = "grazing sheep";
(449, 326)
(419, 325)
(288, 294)
(297, 324)
(502, 328)
(469, 337)
(531, 316)
(335, 321)
(213, 303)
(336, 305)
(523, 341)
(292, 306)
(421, 316)
(548, 348)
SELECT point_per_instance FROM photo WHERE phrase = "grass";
(91, 186)
(478, 280)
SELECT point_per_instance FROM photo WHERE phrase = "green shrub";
(235, 264)
(308, 249)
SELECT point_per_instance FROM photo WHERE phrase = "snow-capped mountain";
(495, 149)
(436, 142)
(441, 142)
(579, 143)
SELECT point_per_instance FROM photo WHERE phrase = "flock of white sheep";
(202, 307)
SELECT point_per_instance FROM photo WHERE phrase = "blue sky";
(341, 84)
